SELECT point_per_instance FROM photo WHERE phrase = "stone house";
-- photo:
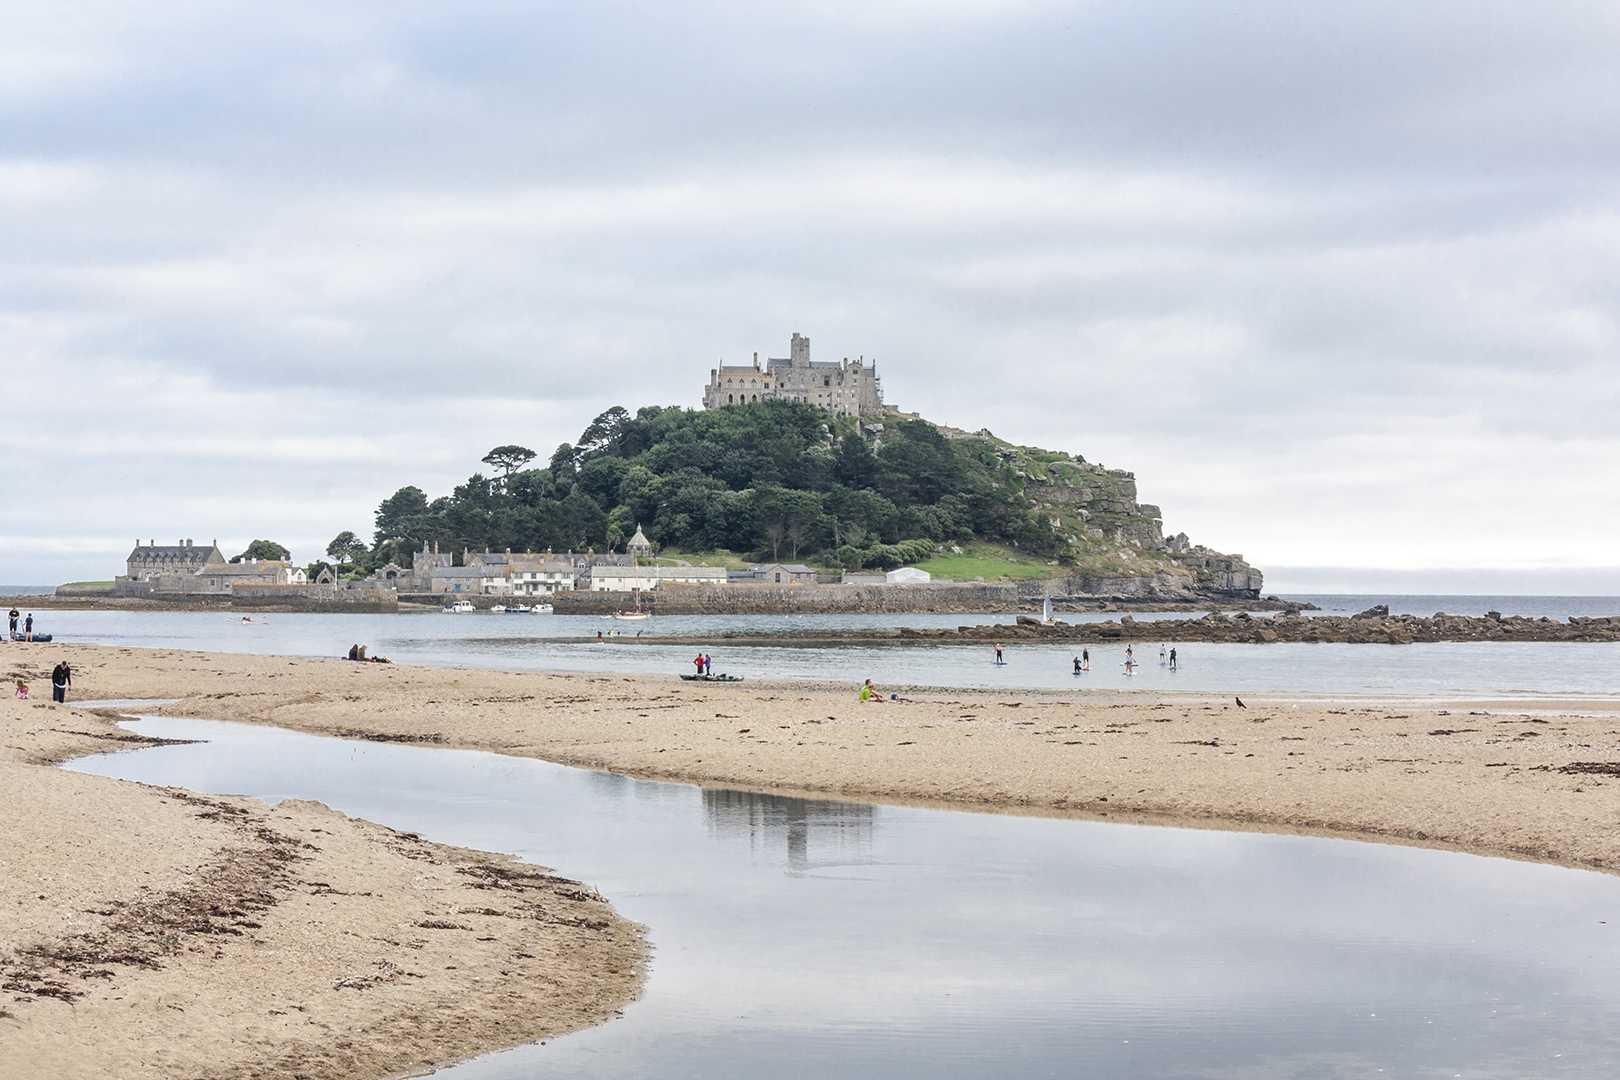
(774, 574)
(221, 578)
(639, 546)
(150, 561)
(843, 389)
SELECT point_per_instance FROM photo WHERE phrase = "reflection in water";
(967, 946)
(840, 832)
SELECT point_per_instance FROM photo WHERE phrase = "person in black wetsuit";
(1085, 659)
(1172, 658)
(15, 615)
(1077, 665)
(61, 679)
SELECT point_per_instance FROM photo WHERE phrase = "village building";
(605, 578)
(150, 561)
(843, 389)
(541, 577)
(773, 574)
(639, 546)
(221, 578)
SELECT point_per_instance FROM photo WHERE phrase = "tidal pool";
(814, 938)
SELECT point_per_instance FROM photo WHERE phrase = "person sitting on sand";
(22, 690)
(354, 652)
(870, 692)
(362, 653)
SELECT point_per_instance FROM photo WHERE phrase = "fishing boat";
(510, 609)
(712, 678)
(540, 609)
(460, 607)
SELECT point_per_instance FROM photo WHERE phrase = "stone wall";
(327, 598)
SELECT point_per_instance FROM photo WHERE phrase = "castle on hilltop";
(843, 389)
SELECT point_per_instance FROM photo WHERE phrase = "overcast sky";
(1338, 282)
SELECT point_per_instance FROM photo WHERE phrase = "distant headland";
(795, 477)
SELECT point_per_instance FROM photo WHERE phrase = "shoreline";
(1493, 778)
(155, 932)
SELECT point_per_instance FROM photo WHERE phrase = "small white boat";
(540, 609)
(631, 615)
(460, 607)
(510, 609)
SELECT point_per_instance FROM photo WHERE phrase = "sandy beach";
(247, 940)
(150, 932)
(1491, 777)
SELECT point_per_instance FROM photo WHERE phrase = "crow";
(1240, 703)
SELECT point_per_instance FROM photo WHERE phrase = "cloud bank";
(1339, 283)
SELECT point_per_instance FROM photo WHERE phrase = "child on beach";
(22, 690)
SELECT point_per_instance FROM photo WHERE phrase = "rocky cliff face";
(1121, 538)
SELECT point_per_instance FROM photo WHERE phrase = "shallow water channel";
(811, 938)
(1447, 670)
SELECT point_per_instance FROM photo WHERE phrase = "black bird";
(1240, 703)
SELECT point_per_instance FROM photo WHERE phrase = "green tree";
(346, 548)
(263, 549)
(508, 459)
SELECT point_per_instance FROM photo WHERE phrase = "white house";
(531, 578)
(632, 578)
(689, 575)
(908, 575)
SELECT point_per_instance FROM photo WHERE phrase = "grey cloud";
(1203, 240)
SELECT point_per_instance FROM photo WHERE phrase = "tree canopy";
(263, 549)
(774, 479)
(508, 459)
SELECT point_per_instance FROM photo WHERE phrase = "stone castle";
(843, 389)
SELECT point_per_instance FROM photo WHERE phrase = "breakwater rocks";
(1373, 627)
(948, 597)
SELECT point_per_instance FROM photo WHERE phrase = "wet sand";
(150, 932)
(1494, 777)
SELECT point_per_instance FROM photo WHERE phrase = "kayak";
(712, 678)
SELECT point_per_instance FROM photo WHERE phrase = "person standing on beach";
(708, 664)
(61, 679)
(14, 617)
(28, 627)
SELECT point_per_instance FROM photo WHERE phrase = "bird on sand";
(1240, 703)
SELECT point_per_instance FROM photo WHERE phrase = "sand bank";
(1483, 776)
(150, 932)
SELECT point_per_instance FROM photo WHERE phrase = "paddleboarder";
(1085, 659)
(999, 660)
